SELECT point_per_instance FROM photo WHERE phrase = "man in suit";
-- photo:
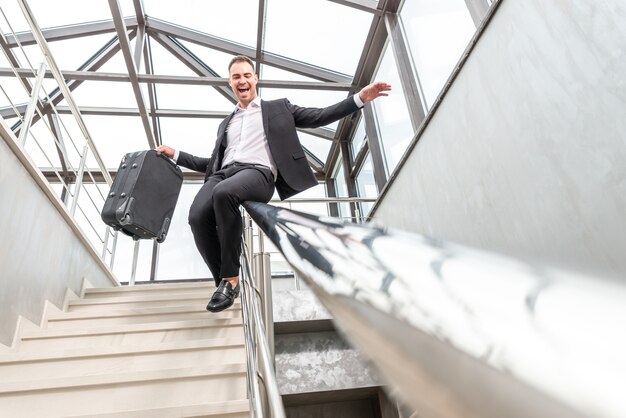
(257, 149)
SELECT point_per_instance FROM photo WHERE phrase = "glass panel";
(16, 93)
(392, 114)
(216, 60)
(194, 136)
(366, 185)
(315, 208)
(235, 20)
(114, 136)
(342, 191)
(51, 13)
(40, 146)
(179, 257)
(318, 146)
(438, 32)
(165, 62)
(176, 96)
(70, 54)
(359, 137)
(104, 94)
(319, 32)
(123, 264)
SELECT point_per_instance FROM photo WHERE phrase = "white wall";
(41, 253)
(527, 153)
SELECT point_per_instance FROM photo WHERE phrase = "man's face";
(243, 82)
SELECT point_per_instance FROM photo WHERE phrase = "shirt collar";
(255, 103)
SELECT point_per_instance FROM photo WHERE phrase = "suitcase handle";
(167, 159)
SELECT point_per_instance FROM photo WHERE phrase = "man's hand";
(167, 151)
(374, 90)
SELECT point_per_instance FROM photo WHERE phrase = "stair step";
(104, 360)
(93, 320)
(140, 298)
(107, 304)
(132, 334)
(226, 409)
(123, 391)
(136, 310)
(149, 289)
(136, 351)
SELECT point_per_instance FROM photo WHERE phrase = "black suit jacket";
(280, 120)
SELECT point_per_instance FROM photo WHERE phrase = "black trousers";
(215, 217)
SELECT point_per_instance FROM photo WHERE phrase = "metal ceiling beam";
(141, 32)
(324, 133)
(234, 48)
(207, 80)
(152, 93)
(375, 147)
(316, 164)
(359, 159)
(8, 112)
(162, 113)
(260, 35)
(50, 175)
(139, 44)
(413, 94)
(139, 12)
(370, 6)
(370, 57)
(132, 72)
(69, 32)
(478, 10)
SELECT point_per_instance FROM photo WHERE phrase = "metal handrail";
(457, 332)
(260, 360)
(32, 108)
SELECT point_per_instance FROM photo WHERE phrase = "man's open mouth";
(243, 90)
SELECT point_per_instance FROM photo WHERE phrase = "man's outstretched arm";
(311, 117)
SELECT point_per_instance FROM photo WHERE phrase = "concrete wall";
(42, 252)
(526, 154)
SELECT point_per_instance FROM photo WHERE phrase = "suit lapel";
(265, 113)
(221, 132)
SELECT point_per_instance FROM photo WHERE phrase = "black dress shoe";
(224, 297)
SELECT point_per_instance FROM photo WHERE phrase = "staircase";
(141, 351)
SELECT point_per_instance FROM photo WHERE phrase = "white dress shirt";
(246, 141)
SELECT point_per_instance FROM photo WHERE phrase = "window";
(366, 185)
(392, 114)
(438, 32)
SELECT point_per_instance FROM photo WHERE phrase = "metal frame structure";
(386, 29)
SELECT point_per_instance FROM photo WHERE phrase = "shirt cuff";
(176, 154)
(357, 100)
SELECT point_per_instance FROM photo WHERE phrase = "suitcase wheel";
(164, 229)
(126, 219)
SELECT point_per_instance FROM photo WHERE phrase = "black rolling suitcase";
(143, 195)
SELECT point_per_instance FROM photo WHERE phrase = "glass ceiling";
(148, 72)
(317, 41)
